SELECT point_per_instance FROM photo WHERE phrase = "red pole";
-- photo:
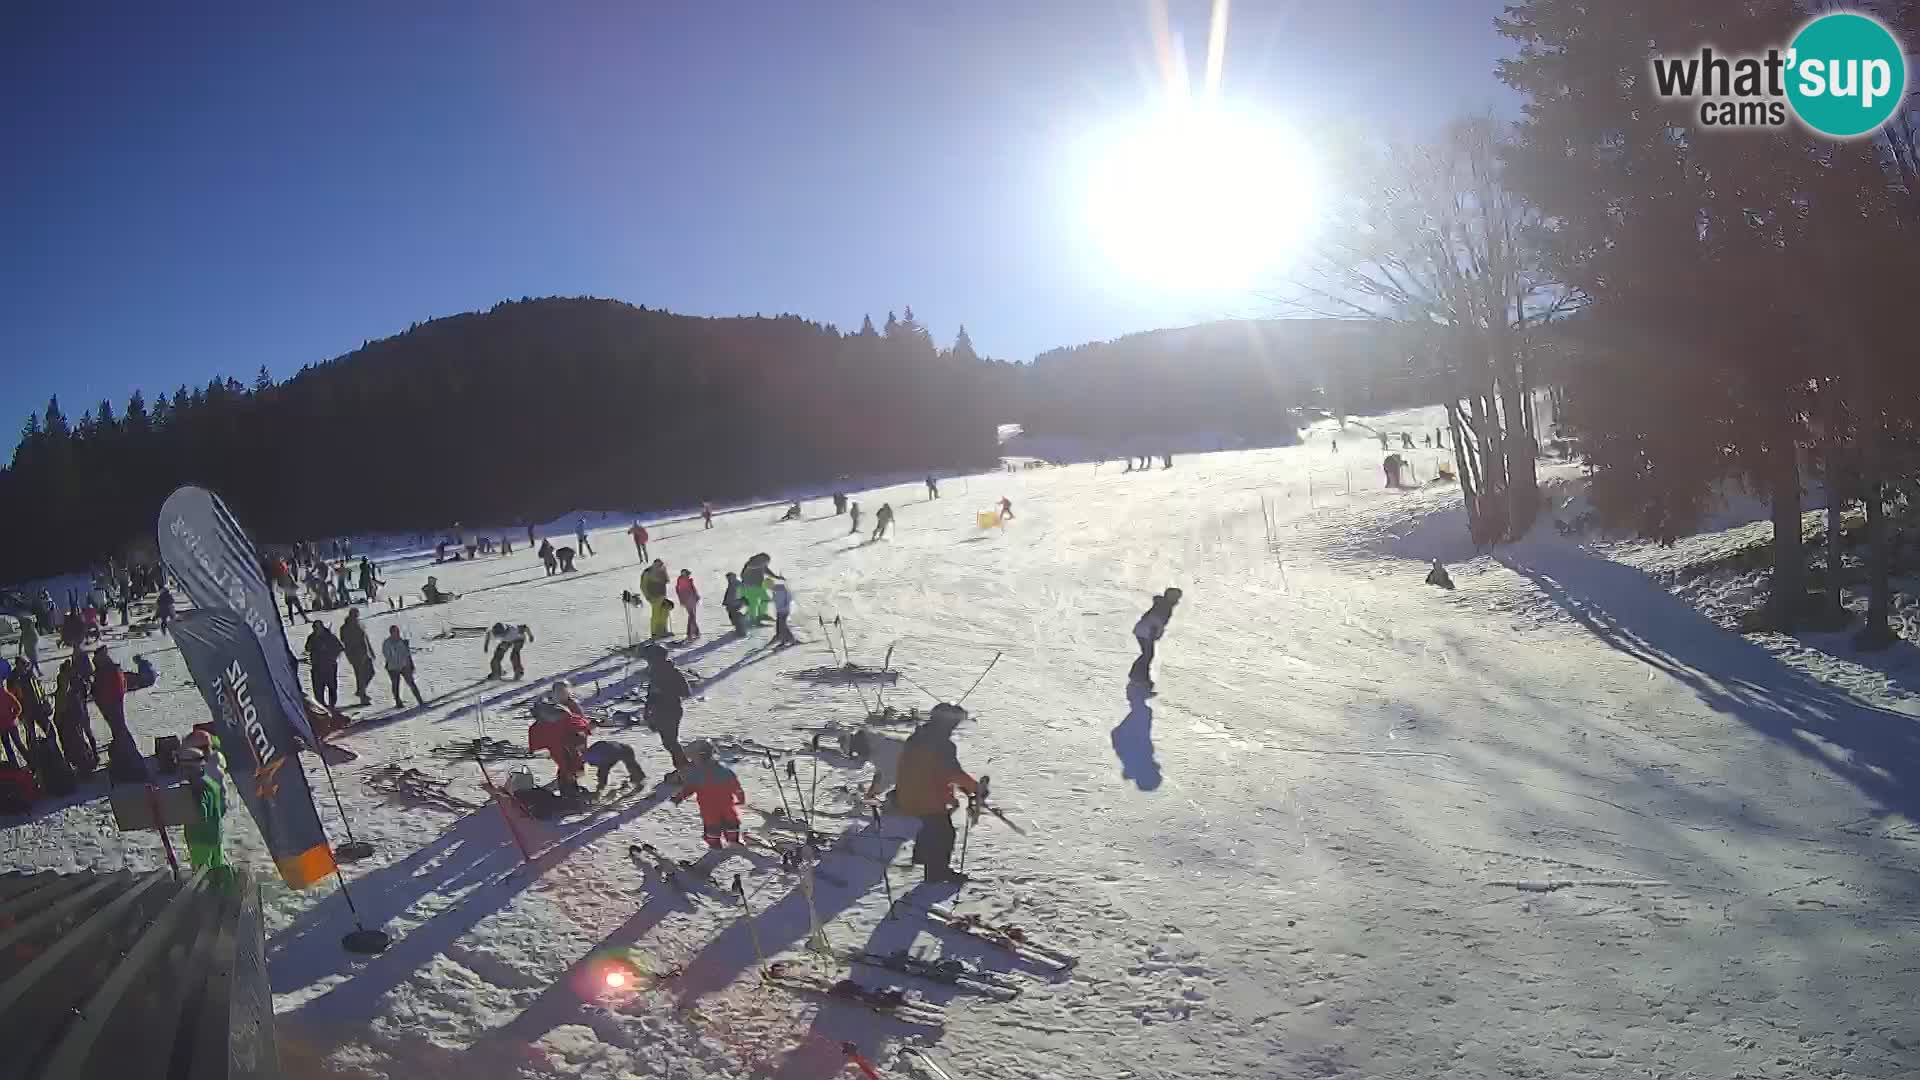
(500, 800)
(160, 826)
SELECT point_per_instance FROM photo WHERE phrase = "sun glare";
(1199, 196)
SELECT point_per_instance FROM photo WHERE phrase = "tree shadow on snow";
(1878, 750)
(1133, 742)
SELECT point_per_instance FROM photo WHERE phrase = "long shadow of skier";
(1133, 742)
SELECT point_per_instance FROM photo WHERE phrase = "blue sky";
(185, 195)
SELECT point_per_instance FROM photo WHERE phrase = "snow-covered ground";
(1554, 823)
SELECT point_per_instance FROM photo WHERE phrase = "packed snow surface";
(1555, 823)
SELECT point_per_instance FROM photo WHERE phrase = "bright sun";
(1199, 196)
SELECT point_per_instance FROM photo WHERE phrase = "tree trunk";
(1836, 507)
(1523, 483)
(1789, 562)
(1465, 474)
(1877, 634)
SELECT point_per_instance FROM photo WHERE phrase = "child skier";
(733, 605)
(580, 535)
(717, 790)
(689, 595)
(606, 754)
(547, 557)
(507, 641)
(782, 607)
(204, 842)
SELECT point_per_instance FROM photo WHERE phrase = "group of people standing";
(310, 583)
(325, 649)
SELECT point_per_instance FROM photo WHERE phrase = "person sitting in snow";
(1438, 576)
(717, 791)
(434, 594)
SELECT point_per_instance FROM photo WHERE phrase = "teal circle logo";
(1846, 76)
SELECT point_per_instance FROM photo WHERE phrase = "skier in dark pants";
(1148, 631)
(546, 556)
(369, 582)
(929, 770)
(507, 641)
(359, 650)
(731, 603)
(666, 689)
(163, 609)
(580, 535)
(933, 489)
(606, 754)
(882, 518)
(323, 653)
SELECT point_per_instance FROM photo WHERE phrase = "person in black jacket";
(323, 652)
(369, 582)
(666, 689)
(359, 650)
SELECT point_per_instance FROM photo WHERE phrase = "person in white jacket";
(782, 607)
(1148, 632)
(398, 653)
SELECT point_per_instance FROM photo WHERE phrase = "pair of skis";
(956, 974)
(1008, 938)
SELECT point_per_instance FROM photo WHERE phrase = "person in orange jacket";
(928, 772)
(717, 790)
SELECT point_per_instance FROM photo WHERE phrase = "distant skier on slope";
(639, 534)
(717, 791)
(706, 515)
(689, 594)
(882, 518)
(1148, 631)
(853, 510)
(929, 770)
(933, 489)
(792, 514)
(1439, 576)
(580, 535)
(547, 557)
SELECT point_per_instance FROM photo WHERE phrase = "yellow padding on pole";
(988, 519)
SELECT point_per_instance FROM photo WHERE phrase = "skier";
(580, 535)
(204, 841)
(530, 537)
(706, 515)
(839, 503)
(605, 754)
(933, 489)
(290, 593)
(718, 792)
(546, 556)
(1166, 460)
(70, 719)
(162, 610)
(689, 595)
(753, 586)
(731, 603)
(507, 641)
(1006, 508)
(432, 593)
(370, 583)
(1336, 446)
(929, 770)
(882, 518)
(1438, 576)
(792, 514)
(639, 534)
(782, 607)
(359, 650)
(323, 653)
(666, 689)
(1148, 631)
(560, 728)
(653, 586)
(854, 511)
(398, 654)
(1406, 441)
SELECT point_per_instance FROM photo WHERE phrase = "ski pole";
(753, 931)
(813, 795)
(966, 830)
(776, 783)
(822, 619)
(976, 682)
(859, 1062)
(886, 882)
(793, 774)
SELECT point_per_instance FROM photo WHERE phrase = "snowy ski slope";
(1553, 824)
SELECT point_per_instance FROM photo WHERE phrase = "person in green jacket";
(204, 845)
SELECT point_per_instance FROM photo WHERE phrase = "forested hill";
(538, 407)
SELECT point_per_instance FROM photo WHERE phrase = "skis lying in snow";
(887, 1001)
(957, 974)
(1010, 938)
(918, 1060)
(793, 857)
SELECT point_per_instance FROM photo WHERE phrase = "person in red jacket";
(689, 595)
(717, 790)
(110, 693)
(639, 534)
(10, 729)
(560, 727)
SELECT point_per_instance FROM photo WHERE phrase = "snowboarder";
(854, 511)
(882, 518)
(666, 689)
(782, 607)
(639, 534)
(546, 556)
(753, 586)
(204, 841)
(359, 652)
(580, 535)
(706, 515)
(792, 514)
(370, 582)
(398, 654)
(605, 754)
(1438, 576)
(507, 641)
(1148, 632)
(1006, 508)
(323, 654)
(653, 586)
(733, 605)
(718, 792)
(689, 594)
(929, 770)
(432, 593)
(933, 489)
